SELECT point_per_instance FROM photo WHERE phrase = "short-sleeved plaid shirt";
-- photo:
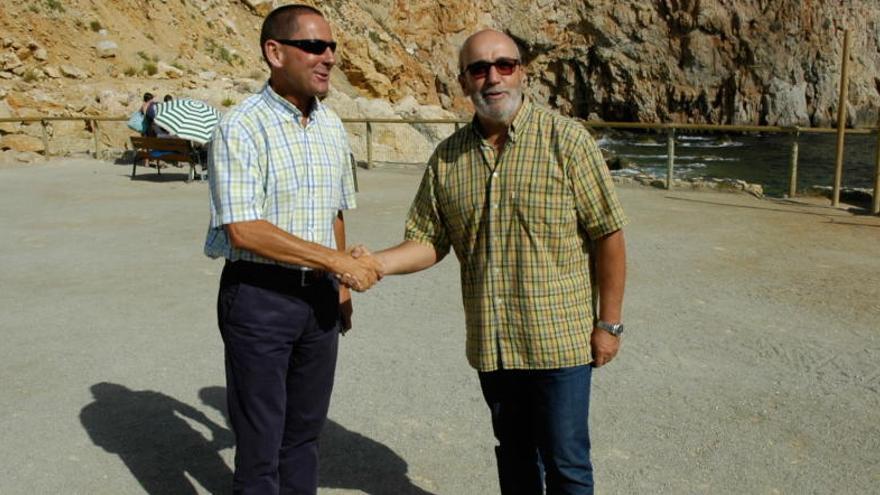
(264, 164)
(520, 225)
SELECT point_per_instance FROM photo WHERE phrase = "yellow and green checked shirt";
(265, 165)
(520, 225)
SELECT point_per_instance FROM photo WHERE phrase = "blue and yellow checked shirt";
(265, 164)
(520, 225)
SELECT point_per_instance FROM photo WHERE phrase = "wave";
(721, 144)
(637, 156)
(696, 138)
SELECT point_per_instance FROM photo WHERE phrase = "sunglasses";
(504, 66)
(315, 47)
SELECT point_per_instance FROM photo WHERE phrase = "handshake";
(359, 269)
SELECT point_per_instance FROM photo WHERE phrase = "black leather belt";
(273, 277)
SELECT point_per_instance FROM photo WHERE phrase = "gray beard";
(501, 115)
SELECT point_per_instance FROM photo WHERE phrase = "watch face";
(612, 328)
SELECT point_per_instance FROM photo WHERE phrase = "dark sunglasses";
(315, 47)
(480, 69)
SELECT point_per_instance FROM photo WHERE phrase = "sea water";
(760, 159)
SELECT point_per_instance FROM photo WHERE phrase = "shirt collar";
(279, 104)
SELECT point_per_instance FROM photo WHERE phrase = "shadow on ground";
(824, 211)
(147, 431)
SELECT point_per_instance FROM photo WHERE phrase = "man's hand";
(361, 253)
(604, 346)
(345, 308)
(359, 274)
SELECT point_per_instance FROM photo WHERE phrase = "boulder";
(9, 61)
(6, 113)
(52, 72)
(260, 7)
(20, 142)
(230, 26)
(106, 49)
(73, 72)
(169, 71)
(26, 156)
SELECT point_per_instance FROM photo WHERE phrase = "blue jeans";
(540, 418)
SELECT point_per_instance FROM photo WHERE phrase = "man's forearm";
(267, 240)
(611, 275)
(407, 257)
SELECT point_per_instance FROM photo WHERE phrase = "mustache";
(487, 92)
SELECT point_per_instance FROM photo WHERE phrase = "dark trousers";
(540, 419)
(280, 330)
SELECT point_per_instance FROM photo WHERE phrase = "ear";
(461, 82)
(274, 53)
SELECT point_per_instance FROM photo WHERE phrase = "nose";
(493, 77)
(329, 58)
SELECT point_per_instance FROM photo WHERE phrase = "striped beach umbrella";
(188, 119)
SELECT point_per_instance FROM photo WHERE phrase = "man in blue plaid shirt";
(280, 179)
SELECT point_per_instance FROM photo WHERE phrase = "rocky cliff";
(720, 61)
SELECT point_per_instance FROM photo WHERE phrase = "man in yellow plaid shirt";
(524, 198)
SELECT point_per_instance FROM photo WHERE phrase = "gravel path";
(751, 362)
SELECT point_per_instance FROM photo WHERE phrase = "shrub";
(29, 75)
(95, 26)
(227, 102)
(130, 71)
(55, 5)
(150, 68)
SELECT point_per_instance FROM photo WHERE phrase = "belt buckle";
(304, 278)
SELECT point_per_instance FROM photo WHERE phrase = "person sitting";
(152, 128)
(138, 120)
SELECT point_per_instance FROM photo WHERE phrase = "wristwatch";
(613, 328)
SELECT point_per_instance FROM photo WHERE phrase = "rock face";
(20, 142)
(720, 61)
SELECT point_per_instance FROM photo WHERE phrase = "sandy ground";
(751, 362)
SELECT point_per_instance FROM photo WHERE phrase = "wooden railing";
(670, 130)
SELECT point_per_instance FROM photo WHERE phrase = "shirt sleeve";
(598, 209)
(235, 176)
(348, 199)
(424, 223)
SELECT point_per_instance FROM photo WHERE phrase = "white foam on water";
(723, 144)
(720, 159)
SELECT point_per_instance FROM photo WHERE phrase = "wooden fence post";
(841, 121)
(369, 145)
(793, 168)
(876, 204)
(45, 125)
(670, 157)
(96, 132)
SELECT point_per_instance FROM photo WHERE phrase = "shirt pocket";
(543, 203)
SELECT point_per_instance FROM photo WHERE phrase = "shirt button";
(497, 271)
(499, 301)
